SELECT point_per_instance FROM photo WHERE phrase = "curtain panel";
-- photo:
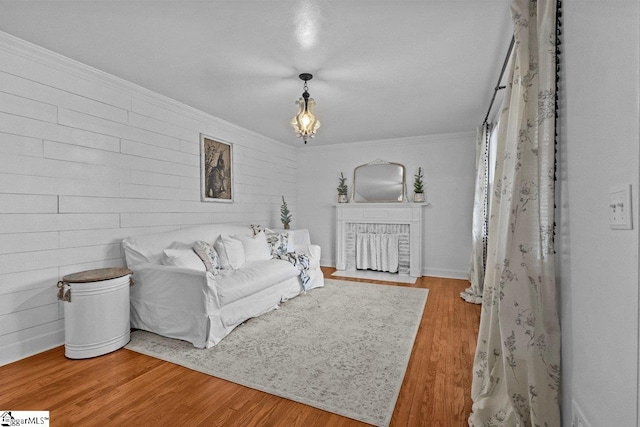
(479, 227)
(517, 363)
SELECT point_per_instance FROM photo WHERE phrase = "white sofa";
(199, 306)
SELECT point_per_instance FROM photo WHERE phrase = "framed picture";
(216, 170)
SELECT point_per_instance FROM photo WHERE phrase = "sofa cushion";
(253, 277)
(231, 252)
(182, 257)
(255, 248)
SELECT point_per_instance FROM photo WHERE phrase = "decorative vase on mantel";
(418, 197)
(342, 198)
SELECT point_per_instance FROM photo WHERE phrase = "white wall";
(87, 159)
(599, 149)
(448, 162)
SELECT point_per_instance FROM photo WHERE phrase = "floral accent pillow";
(256, 229)
(278, 242)
(208, 255)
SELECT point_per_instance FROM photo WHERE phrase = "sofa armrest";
(314, 251)
(179, 287)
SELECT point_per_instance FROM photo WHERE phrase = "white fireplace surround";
(410, 214)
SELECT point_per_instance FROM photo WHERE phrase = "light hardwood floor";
(128, 388)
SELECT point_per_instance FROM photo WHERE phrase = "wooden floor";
(128, 388)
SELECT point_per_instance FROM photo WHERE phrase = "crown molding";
(412, 140)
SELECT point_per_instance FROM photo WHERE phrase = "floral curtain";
(473, 294)
(517, 363)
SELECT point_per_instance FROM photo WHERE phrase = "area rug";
(343, 348)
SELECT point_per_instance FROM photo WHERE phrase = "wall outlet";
(577, 417)
(620, 207)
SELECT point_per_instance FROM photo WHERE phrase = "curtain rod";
(498, 87)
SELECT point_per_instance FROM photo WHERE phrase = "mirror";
(379, 181)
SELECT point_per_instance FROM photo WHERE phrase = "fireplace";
(355, 229)
(402, 219)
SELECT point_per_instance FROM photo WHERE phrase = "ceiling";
(382, 69)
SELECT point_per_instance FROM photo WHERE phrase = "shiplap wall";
(87, 159)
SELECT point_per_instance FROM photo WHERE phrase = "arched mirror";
(379, 182)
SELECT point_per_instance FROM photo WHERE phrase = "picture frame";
(216, 170)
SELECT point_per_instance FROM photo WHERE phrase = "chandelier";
(305, 123)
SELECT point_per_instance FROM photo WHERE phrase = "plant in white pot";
(342, 189)
(418, 187)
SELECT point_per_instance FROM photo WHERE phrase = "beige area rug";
(343, 348)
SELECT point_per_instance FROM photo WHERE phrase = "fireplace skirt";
(377, 251)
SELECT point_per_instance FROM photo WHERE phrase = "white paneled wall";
(87, 159)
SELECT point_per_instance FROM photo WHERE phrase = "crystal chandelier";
(305, 123)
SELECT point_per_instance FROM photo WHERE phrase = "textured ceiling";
(382, 68)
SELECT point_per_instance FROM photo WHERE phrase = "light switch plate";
(620, 207)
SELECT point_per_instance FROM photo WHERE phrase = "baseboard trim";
(433, 272)
(23, 349)
(447, 274)
(331, 263)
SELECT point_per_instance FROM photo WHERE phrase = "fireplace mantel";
(381, 213)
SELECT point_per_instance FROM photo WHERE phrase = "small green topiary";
(417, 183)
(342, 186)
(285, 215)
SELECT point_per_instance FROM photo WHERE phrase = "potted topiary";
(285, 215)
(418, 189)
(342, 189)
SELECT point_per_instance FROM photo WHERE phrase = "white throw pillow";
(231, 252)
(255, 248)
(183, 257)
